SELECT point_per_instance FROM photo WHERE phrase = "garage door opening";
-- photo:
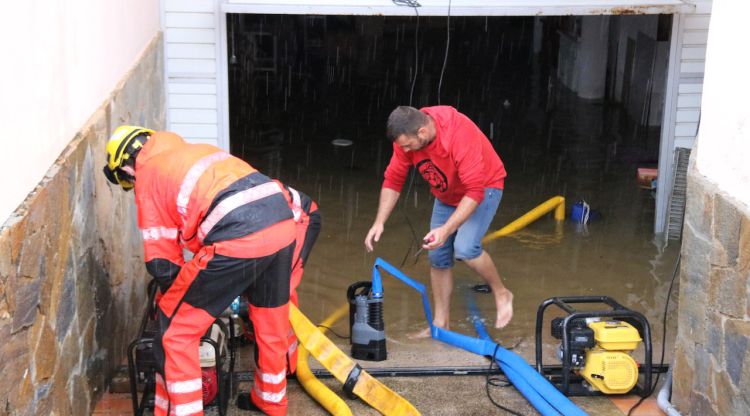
(573, 104)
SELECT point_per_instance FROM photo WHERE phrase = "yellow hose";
(370, 390)
(317, 390)
(557, 203)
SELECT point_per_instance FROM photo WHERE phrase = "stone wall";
(712, 365)
(72, 280)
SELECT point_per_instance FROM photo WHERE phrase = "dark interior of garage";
(572, 104)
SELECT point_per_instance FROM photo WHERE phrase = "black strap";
(351, 380)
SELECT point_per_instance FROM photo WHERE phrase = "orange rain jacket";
(191, 195)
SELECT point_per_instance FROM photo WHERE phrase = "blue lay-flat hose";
(536, 389)
(520, 383)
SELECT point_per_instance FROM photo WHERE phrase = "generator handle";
(564, 302)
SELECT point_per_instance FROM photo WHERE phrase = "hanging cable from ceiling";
(447, 47)
(416, 241)
(413, 4)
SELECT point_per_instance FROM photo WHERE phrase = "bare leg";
(485, 267)
(442, 287)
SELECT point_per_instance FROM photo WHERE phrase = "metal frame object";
(142, 369)
(563, 377)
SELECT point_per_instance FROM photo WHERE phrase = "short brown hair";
(405, 120)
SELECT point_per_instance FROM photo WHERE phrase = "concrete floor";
(437, 395)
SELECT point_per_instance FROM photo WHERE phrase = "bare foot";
(504, 304)
(425, 333)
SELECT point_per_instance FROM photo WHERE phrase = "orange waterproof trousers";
(260, 266)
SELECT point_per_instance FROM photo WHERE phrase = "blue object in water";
(580, 211)
(533, 386)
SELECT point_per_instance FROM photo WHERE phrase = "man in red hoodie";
(467, 179)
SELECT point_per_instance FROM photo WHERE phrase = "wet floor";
(615, 255)
(551, 142)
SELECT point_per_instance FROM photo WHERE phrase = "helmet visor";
(114, 178)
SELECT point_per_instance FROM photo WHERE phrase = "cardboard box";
(647, 178)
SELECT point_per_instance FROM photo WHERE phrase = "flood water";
(344, 84)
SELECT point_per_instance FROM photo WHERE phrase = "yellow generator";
(596, 348)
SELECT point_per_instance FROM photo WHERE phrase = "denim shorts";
(466, 242)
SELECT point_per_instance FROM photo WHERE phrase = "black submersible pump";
(366, 321)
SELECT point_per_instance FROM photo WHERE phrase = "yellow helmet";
(125, 142)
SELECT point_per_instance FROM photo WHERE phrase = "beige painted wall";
(61, 59)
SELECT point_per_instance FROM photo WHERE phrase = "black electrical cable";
(416, 57)
(413, 4)
(447, 46)
(415, 238)
(497, 382)
(334, 332)
(663, 335)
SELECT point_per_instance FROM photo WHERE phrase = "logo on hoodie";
(433, 175)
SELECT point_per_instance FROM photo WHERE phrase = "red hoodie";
(459, 162)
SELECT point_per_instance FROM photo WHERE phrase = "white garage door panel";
(684, 116)
(191, 66)
(696, 88)
(188, 101)
(196, 131)
(179, 115)
(694, 52)
(689, 101)
(191, 50)
(695, 37)
(686, 129)
(190, 20)
(693, 66)
(206, 87)
(697, 22)
(182, 35)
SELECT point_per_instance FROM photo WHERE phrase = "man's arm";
(388, 199)
(161, 248)
(437, 236)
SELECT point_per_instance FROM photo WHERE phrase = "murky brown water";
(615, 256)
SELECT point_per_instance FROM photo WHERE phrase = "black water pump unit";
(366, 322)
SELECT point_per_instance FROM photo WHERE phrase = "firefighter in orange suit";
(241, 227)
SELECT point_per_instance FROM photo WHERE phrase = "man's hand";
(388, 199)
(373, 236)
(435, 238)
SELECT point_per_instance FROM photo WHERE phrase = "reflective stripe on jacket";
(191, 195)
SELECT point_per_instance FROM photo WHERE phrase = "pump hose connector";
(375, 314)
